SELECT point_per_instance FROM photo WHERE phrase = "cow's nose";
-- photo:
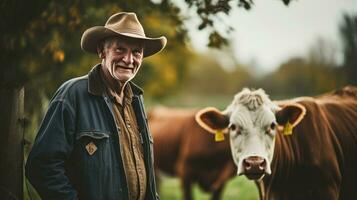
(254, 165)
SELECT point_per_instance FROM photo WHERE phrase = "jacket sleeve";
(45, 167)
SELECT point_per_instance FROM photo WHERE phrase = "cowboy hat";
(121, 24)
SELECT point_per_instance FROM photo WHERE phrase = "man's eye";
(119, 50)
(137, 53)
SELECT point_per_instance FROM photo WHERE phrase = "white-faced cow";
(183, 149)
(305, 148)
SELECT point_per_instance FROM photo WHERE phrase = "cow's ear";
(291, 113)
(211, 119)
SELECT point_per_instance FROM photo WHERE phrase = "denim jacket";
(59, 165)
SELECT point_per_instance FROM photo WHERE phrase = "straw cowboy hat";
(121, 24)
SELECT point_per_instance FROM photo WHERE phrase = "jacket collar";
(96, 86)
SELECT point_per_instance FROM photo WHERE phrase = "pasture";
(237, 188)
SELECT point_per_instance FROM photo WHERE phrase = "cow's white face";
(251, 135)
(252, 132)
(252, 120)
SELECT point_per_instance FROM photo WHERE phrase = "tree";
(348, 32)
(207, 10)
(323, 53)
(301, 76)
(13, 49)
(207, 76)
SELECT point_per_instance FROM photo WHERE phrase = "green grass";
(237, 188)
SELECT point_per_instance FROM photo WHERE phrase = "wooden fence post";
(11, 143)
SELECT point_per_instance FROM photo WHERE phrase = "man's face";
(122, 57)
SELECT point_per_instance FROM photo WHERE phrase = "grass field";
(237, 188)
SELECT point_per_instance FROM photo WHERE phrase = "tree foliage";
(300, 77)
(207, 76)
(348, 32)
(207, 10)
(14, 41)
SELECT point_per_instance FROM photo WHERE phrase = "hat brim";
(92, 36)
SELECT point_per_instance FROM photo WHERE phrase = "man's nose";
(128, 58)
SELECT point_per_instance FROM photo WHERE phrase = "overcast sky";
(271, 32)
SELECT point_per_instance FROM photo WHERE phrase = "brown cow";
(304, 148)
(183, 149)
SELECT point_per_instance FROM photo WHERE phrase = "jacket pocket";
(93, 148)
(93, 159)
(92, 134)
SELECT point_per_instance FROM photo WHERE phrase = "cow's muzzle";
(254, 167)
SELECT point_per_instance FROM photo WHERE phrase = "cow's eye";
(232, 127)
(235, 130)
(272, 126)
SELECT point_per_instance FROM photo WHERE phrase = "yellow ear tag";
(288, 129)
(218, 136)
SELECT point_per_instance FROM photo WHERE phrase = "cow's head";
(252, 121)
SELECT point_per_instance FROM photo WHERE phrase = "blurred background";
(215, 48)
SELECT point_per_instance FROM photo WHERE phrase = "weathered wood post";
(11, 142)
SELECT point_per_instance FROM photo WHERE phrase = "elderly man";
(94, 142)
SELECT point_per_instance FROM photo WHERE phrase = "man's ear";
(212, 120)
(292, 113)
(100, 51)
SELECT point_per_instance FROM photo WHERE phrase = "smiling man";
(121, 60)
(93, 142)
